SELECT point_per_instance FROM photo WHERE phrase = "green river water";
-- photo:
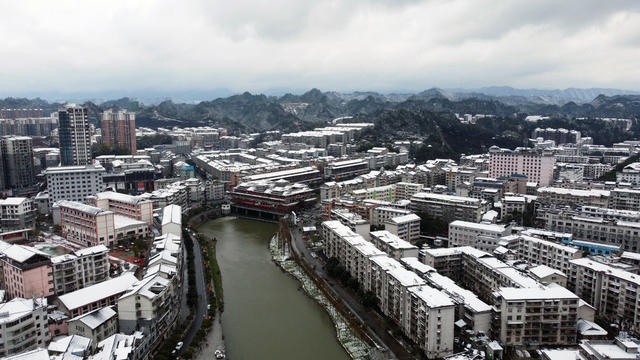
(266, 316)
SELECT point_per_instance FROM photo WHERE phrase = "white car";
(179, 346)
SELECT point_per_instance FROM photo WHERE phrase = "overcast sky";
(387, 45)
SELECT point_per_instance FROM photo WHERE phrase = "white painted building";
(478, 235)
(74, 183)
(406, 227)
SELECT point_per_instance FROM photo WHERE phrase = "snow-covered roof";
(36, 354)
(71, 344)
(172, 214)
(93, 293)
(149, 287)
(537, 293)
(21, 253)
(95, 318)
(542, 271)
(18, 307)
(494, 228)
(432, 297)
(81, 207)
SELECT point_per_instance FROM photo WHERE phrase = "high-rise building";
(17, 154)
(75, 135)
(119, 128)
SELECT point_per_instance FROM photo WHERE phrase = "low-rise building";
(95, 296)
(96, 325)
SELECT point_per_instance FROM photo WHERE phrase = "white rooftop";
(542, 271)
(172, 214)
(537, 293)
(95, 318)
(434, 298)
(93, 293)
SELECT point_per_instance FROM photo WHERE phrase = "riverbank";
(355, 347)
(266, 314)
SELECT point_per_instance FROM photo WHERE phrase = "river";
(266, 316)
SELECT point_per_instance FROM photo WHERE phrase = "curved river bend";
(266, 315)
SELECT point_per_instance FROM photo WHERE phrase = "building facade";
(75, 136)
(74, 183)
(119, 129)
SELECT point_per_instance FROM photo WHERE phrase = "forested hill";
(251, 112)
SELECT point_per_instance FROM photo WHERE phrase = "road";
(377, 326)
(201, 290)
(184, 308)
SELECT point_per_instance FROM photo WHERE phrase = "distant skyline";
(141, 48)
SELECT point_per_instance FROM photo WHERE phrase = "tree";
(432, 226)
(103, 149)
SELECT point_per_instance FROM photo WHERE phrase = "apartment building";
(26, 272)
(535, 165)
(75, 135)
(17, 154)
(385, 193)
(573, 197)
(85, 224)
(96, 325)
(612, 291)
(353, 221)
(74, 183)
(119, 128)
(474, 312)
(547, 275)
(17, 213)
(405, 190)
(424, 314)
(172, 220)
(478, 235)
(448, 207)
(393, 245)
(82, 268)
(476, 270)
(406, 227)
(380, 214)
(543, 252)
(597, 229)
(147, 306)
(135, 207)
(535, 317)
(625, 199)
(23, 325)
(430, 315)
(95, 297)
